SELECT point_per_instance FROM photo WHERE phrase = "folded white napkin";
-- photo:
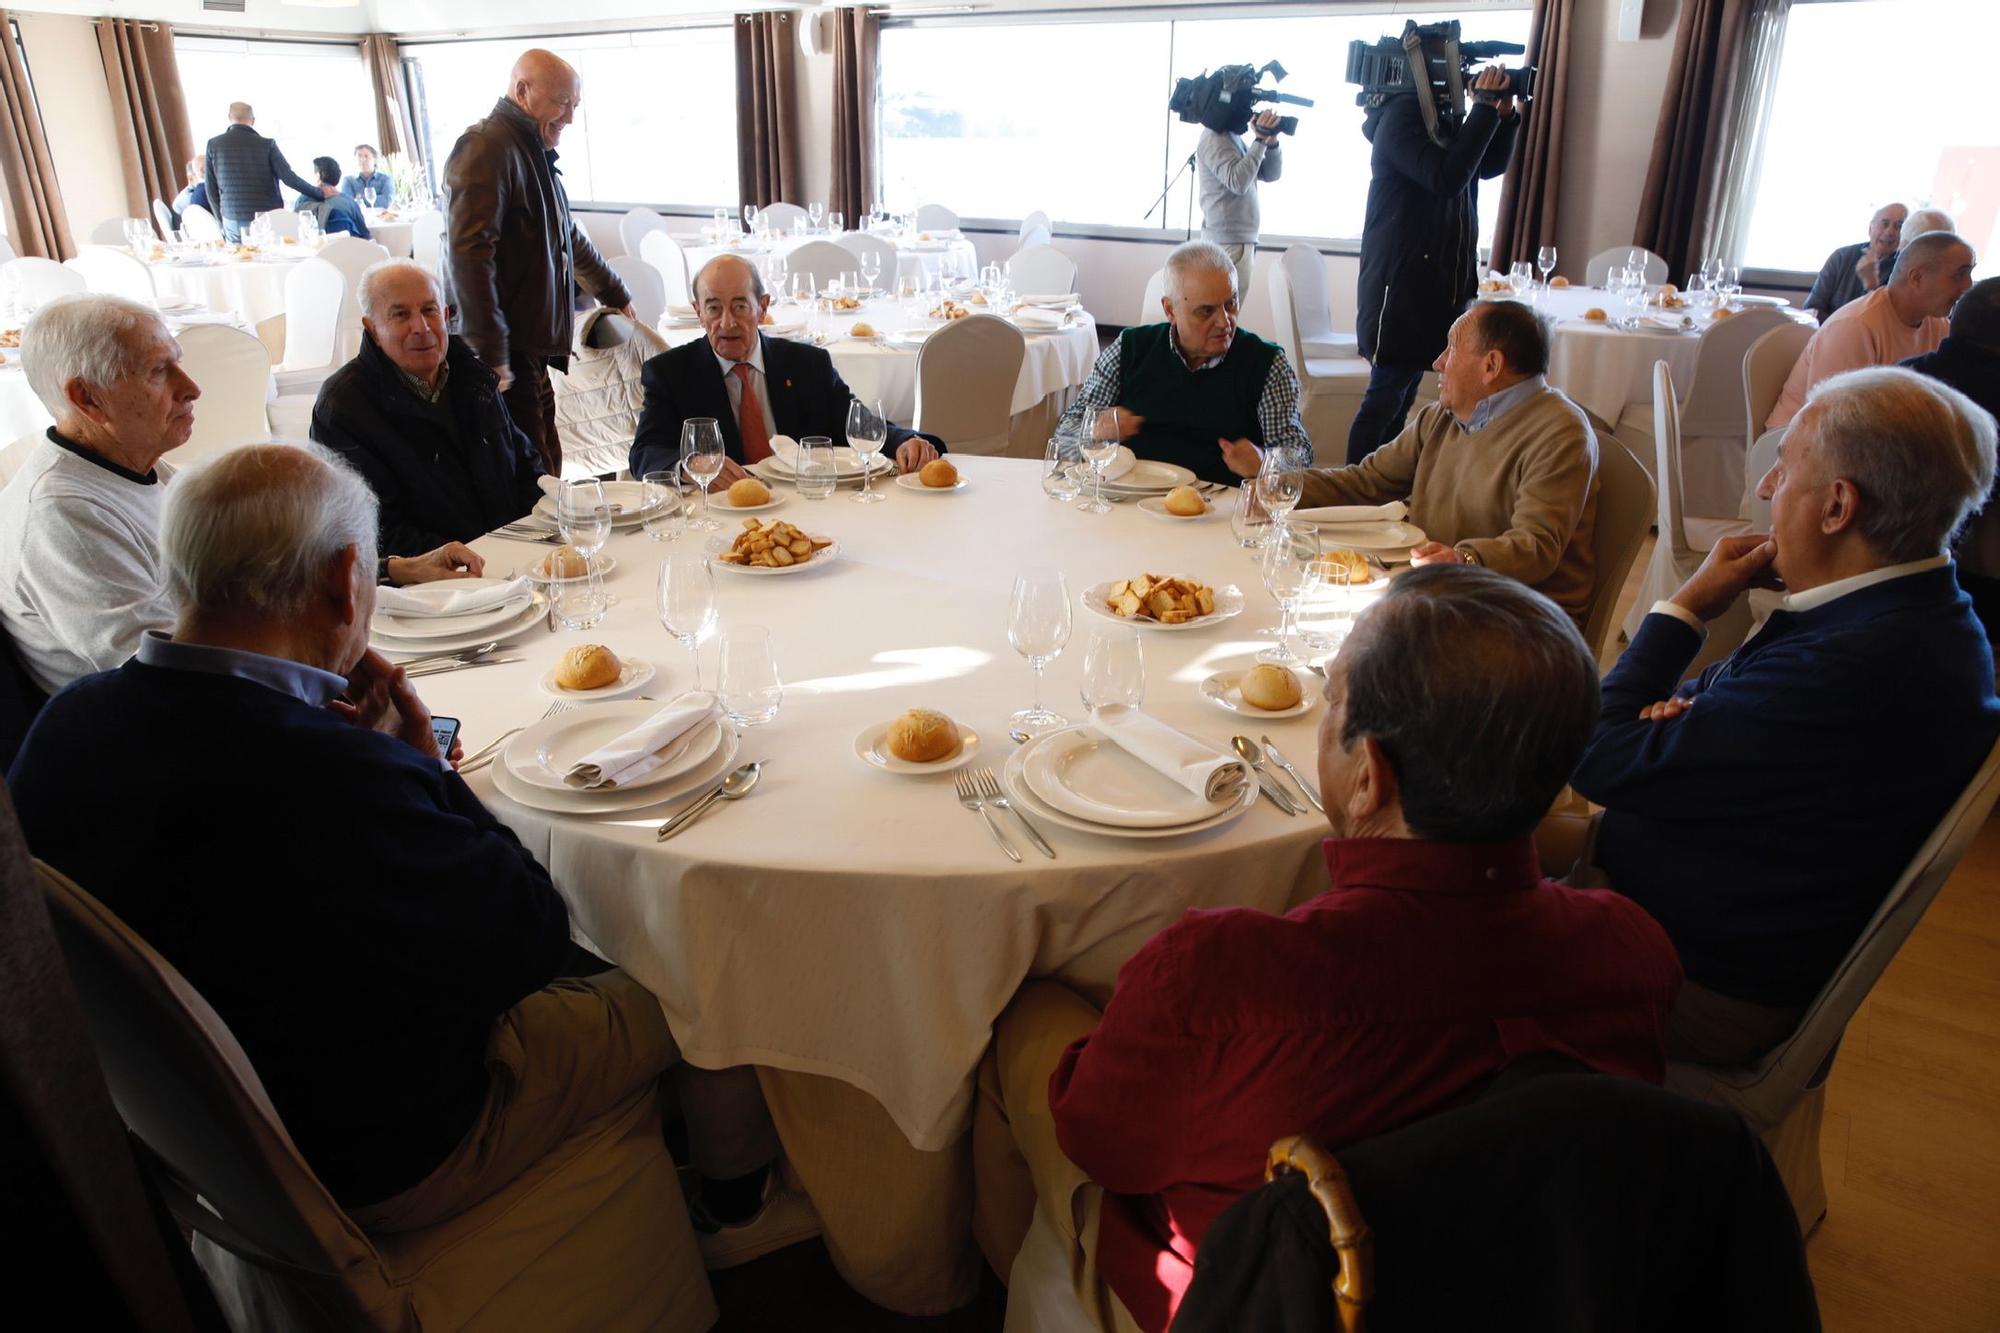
(550, 485)
(785, 449)
(639, 751)
(437, 601)
(1393, 512)
(1195, 765)
(1055, 300)
(1040, 319)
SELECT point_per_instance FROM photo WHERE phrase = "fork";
(989, 790)
(490, 751)
(968, 796)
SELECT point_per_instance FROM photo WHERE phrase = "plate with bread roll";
(921, 740)
(592, 671)
(566, 564)
(937, 477)
(1178, 505)
(1262, 691)
(746, 493)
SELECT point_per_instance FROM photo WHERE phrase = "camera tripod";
(1160, 202)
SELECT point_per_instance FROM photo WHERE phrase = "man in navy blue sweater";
(1762, 811)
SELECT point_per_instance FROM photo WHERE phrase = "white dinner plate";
(819, 559)
(872, 748)
(1017, 788)
(860, 337)
(1228, 602)
(1148, 476)
(1155, 506)
(1221, 690)
(533, 570)
(571, 802)
(633, 675)
(528, 617)
(908, 337)
(1082, 772)
(844, 466)
(626, 498)
(783, 328)
(543, 752)
(443, 627)
(1374, 536)
(718, 502)
(910, 481)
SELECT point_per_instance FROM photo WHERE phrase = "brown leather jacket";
(513, 254)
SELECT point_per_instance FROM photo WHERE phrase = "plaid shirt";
(1277, 406)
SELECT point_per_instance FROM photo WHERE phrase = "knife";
(1276, 795)
(1297, 776)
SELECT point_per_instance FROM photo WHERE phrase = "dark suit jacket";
(244, 169)
(808, 397)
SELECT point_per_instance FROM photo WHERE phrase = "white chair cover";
(936, 217)
(1330, 387)
(234, 373)
(823, 259)
(38, 280)
(1766, 367)
(14, 455)
(1042, 270)
(163, 218)
(198, 224)
(781, 217)
(1756, 512)
(6, 251)
(283, 221)
(966, 373)
(1604, 261)
(427, 240)
(649, 290)
(1625, 507)
(1149, 304)
(1714, 434)
(113, 271)
(353, 257)
(314, 291)
(1035, 221)
(633, 227)
(664, 253)
(1311, 305)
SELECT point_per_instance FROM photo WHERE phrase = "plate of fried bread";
(1158, 601)
(771, 548)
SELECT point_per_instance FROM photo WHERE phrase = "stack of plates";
(846, 466)
(531, 768)
(626, 498)
(1079, 779)
(446, 634)
(1387, 541)
(1146, 476)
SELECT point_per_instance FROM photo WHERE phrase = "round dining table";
(395, 234)
(854, 932)
(249, 286)
(928, 255)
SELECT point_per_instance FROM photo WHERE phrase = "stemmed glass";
(368, 196)
(1114, 668)
(1732, 282)
(1545, 260)
(747, 676)
(687, 600)
(835, 223)
(1636, 258)
(584, 520)
(1520, 277)
(1038, 622)
(871, 267)
(816, 214)
(1632, 287)
(1279, 486)
(702, 457)
(1289, 567)
(867, 432)
(1098, 449)
(750, 217)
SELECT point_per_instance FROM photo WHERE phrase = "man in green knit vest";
(1195, 390)
(1501, 471)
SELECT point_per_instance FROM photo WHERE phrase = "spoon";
(1254, 757)
(736, 785)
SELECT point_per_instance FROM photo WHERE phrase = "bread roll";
(938, 474)
(1185, 501)
(1270, 688)
(749, 491)
(588, 666)
(1559, 281)
(1595, 314)
(862, 329)
(923, 736)
(565, 562)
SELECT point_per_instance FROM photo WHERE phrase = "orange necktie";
(750, 419)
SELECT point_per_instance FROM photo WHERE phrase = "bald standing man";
(244, 169)
(514, 256)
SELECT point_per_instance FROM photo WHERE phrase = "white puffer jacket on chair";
(598, 401)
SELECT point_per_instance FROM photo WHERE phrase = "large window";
(1837, 150)
(995, 120)
(314, 98)
(657, 123)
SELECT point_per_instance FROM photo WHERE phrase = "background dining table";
(925, 254)
(854, 933)
(250, 286)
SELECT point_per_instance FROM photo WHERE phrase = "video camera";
(1430, 62)
(1225, 100)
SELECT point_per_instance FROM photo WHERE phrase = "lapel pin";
(788, 384)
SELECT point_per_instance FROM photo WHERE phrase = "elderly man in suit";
(753, 385)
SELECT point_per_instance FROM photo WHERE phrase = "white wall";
(76, 115)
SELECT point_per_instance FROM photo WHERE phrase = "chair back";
(198, 224)
(664, 253)
(282, 221)
(1765, 1091)
(1037, 221)
(234, 373)
(6, 251)
(314, 291)
(1149, 303)
(353, 257)
(36, 281)
(823, 259)
(1042, 270)
(1763, 456)
(111, 231)
(782, 217)
(1624, 511)
(14, 455)
(1598, 270)
(1713, 404)
(1285, 317)
(633, 227)
(114, 272)
(163, 218)
(1312, 306)
(966, 373)
(1766, 366)
(1667, 459)
(861, 244)
(936, 217)
(427, 240)
(649, 290)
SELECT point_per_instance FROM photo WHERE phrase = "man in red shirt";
(1439, 955)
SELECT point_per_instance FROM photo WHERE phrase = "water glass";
(1248, 519)
(1114, 668)
(867, 432)
(580, 603)
(833, 223)
(1060, 461)
(1038, 625)
(747, 676)
(702, 457)
(1545, 260)
(663, 507)
(686, 600)
(1520, 277)
(814, 468)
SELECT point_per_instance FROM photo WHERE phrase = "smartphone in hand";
(444, 730)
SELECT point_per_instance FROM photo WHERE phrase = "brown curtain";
(149, 116)
(37, 227)
(1683, 181)
(769, 157)
(856, 34)
(393, 131)
(1530, 195)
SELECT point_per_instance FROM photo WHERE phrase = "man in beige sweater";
(1501, 471)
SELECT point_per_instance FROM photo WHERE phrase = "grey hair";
(84, 336)
(1198, 257)
(365, 294)
(756, 276)
(1920, 452)
(1925, 253)
(1923, 222)
(251, 530)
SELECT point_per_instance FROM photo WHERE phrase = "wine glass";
(368, 196)
(1732, 282)
(1711, 268)
(1289, 566)
(687, 600)
(1632, 287)
(1279, 485)
(1520, 277)
(584, 519)
(871, 267)
(747, 676)
(805, 288)
(1114, 668)
(750, 217)
(834, 223)
(663, 510)
(702, 456)
(1060, 461)
(1038, 622)
(867, 432)
(1098, 449)
(1636, 258)
(816, 213)
(1545, 260)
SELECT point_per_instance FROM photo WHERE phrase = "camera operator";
(1420, 243)
(1227, 171)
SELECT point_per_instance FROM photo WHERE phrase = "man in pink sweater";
(1903, 319)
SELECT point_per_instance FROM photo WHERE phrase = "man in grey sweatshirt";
(1226, 172)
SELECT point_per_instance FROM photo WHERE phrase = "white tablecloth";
(395, 236)
(1605, 368)
(252, 289)
(950, 250)
(1054, 362)
(849, 923)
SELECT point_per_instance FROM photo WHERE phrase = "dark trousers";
(1384, 406)
(531, 401)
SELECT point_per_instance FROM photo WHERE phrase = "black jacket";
(244, 169)
(445, 472)
(1420, 242)
(808, 397)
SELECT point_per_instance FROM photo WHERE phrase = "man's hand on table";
(1732, 567)
(380, 697)
(732, 472)
(1435, 553)
(913, 453)
(1241, 457)
(453, 560)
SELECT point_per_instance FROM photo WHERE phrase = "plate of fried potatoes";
(1158, 601)
(772, 548)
